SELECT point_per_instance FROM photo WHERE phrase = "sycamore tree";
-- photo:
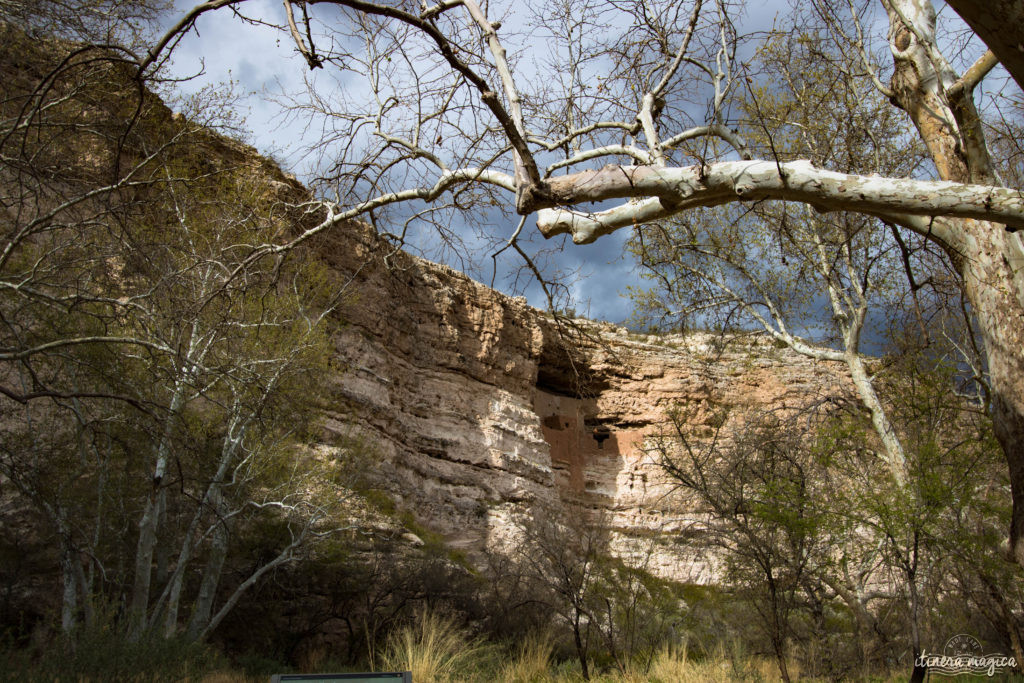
(154, 379)
(233, 402)
(599, 115)
(783, 268)
(180, 479)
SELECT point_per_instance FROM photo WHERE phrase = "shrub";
(102, 653)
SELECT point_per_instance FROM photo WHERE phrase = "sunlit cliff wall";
(476, 408)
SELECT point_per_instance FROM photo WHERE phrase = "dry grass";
(674, 666)
(225, 677)
(531, 662)
(437, 651)
(433, 649)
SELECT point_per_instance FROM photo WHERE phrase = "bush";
(101, 653)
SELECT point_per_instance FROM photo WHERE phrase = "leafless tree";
(565, 557)
(455, 112)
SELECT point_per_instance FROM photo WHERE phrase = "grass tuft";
(531, 662)
(433, 648)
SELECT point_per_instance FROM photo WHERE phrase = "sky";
(263, 63)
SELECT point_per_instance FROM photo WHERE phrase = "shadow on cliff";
(474, 404)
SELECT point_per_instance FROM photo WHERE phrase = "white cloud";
(223, 48)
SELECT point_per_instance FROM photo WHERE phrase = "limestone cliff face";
(479, 407)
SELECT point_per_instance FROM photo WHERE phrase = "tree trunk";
(210, 500)
(156, 503)
(69, 599)
(989, 259)
(581, 652)
(778, 630)
(85, 596)
(211, 575)
(820, 623)
(919, 672)
(894, 455)
(1000, 312)
(229, 604)
(1004, 613)
(162, 550)
(177, 580)
(143, 566)
(779, 647)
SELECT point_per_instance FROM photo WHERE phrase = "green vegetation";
(528, 664)
(166, 518)
(159, 368)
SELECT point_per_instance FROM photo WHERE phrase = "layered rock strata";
(476, 408)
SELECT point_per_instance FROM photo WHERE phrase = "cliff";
(472, 407)
(476, 407)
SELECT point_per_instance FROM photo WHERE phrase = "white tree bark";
(669, 191)
(156, 502)
(988, 257)
(149, 523)
(211, 573)
(69, 577)
(213, 500)
(287, 554)
(211, 496)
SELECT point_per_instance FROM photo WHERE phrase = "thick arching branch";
(670, 190)
(975, 74)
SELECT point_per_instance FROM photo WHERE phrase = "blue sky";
(263, 64)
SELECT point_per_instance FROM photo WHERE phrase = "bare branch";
(184, 24)
(974, 75)
(307, 51)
